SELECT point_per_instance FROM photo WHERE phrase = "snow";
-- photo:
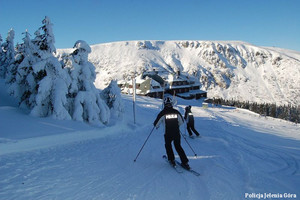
(80, 44)
(226, 69)
(239, 154)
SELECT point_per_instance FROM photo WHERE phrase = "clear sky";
(260, 22)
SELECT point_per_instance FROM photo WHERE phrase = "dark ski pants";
(190, 127)
(180, 151)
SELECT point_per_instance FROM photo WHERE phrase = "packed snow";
(241, 155)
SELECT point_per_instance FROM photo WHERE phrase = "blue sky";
(260, 22)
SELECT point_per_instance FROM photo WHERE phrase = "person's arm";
(158, 119)
(180, 118)
(185, 115)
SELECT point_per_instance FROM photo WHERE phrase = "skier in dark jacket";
(172, 120)
(188, 116)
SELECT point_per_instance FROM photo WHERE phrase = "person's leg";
(169, 150)
(180, 151)
(194, 130)
(188, 127)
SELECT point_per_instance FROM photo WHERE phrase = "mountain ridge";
(226, 69)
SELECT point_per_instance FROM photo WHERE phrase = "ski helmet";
(168, 102)
(188, 108)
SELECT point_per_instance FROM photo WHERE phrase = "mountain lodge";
(154, 85)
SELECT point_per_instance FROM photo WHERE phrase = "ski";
(191, 136)
(187, 136)
(177, 169)
(190, 170)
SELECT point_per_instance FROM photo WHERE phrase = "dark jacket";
(172, 120)
(188, 116)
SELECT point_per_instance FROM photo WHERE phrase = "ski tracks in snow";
(233, 158)
(254, 161)
(95, 168)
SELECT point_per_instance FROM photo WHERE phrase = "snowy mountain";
(230, 70)
(241, 155)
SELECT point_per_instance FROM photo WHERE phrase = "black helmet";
(188, 108)
(168, 102)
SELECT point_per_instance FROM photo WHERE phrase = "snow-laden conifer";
(46, 40)
(24, 87)
(112, 96)
(52, 80)
(14, 73)
(1, 51)
(8, 53)
(1, 55)
(85, 99)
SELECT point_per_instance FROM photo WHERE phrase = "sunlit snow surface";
(239, 152)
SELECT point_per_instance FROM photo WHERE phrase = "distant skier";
(188, 116)
(172, 120)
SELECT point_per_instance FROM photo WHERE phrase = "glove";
(155, 125)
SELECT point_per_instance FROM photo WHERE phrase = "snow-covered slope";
(240, 155)
(231, 70)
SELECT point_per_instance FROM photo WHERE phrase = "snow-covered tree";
(8, 53)
(22, 52)
(46, 40)
(85, 99)
(1, 51)
(52, 81)
(24, 86)
(1, 54)
(12, 72)
(113, 99)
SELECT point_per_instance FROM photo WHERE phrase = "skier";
(188, 116)
(172, 120)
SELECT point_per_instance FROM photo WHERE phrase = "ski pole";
(188, 143)
(144, 144)
(185, 128)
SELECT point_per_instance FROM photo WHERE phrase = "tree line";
(285, 112)
(58, 86)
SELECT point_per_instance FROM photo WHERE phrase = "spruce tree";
(8, 53)
(1, 51)
(24, 86)
(86, 103)
(49, 97)
(113, 99)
